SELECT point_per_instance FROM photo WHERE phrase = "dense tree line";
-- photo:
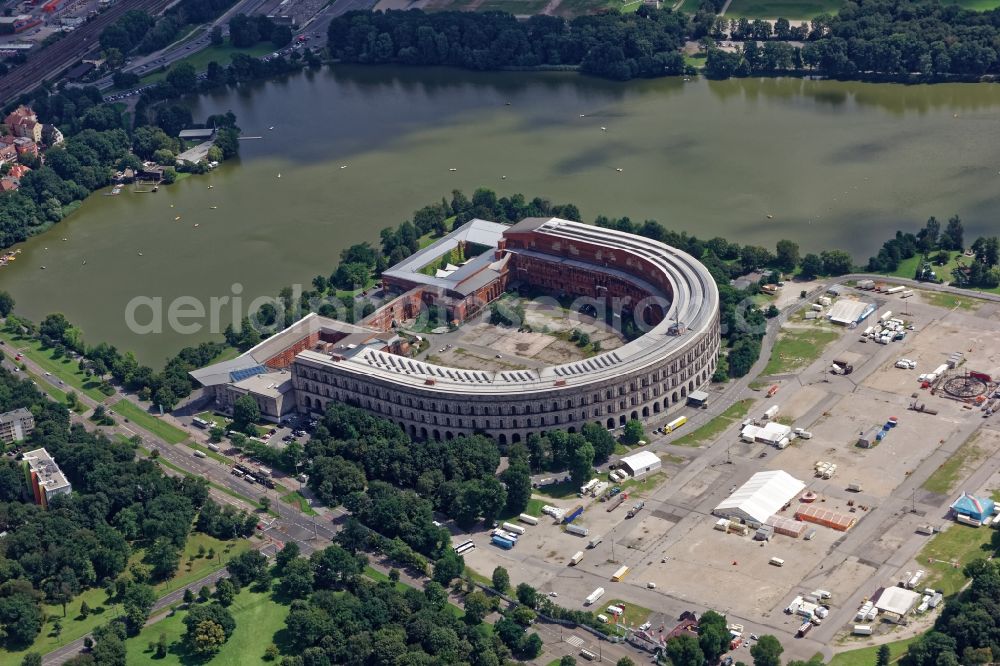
(867, 38)
(140, 32)
(618, 46)
(84, 539)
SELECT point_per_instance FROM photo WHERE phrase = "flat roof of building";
(897, 600)
(695, 304)
(15, 415)
(45, 468)
(197, 133)
(468, 277)
(270, 384)
(847, 311)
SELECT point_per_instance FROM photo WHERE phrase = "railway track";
(74, 46)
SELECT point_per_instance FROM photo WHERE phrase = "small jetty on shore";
(8, 257)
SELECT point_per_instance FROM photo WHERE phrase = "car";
(48, 374)
(553, 594)
(753, 637)
(645, 625)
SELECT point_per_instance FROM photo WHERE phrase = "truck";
(906, 294)
(803, 434)
(895, 290)
(599, 489)
(504, 534)
(575, 560)
(804, 629)
(615, 503)
(845, 366)
(594, 541)
(585, 488)
(636, 508)
(771, 412)
(593, 596)
(620, 574)
(525, 518)
(511, 527)
(776, 561)
(675, 424)
(862, 630)
(577, 529)
(499, 541)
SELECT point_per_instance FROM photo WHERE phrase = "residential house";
(8, 154)
(25, 146)
(16, 425)
(17, 171)
(8, 184)
(22, 122)
(44, 477)
(51, 135)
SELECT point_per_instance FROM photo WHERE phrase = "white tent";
(761, 497)
(641, 463)
(897, 600)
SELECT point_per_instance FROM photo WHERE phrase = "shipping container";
(906, 294)
(506, 544)
(577, 530)
(771, 412)
(887, 314)
(594, 541)
(620, 574)
(213, 447)
(525, 518)
(593, 596)
(577, 556)
(862, 630)
(511, 527)
(804, 629)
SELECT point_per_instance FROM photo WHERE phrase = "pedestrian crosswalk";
(575, 641)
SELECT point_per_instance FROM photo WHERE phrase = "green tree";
(500, 579)
(517, 478)
(527, 595)
(265, 503)
(476, 607)
(225, 592)
(625, 661)
(297, 579)
(581, 467)
(713, 635)
(448, 567)
(883, 656)
(786, 255)
(632, 433)
(188, 596)
(836, 262)
(207, 638)
(567, 660)
(684, 650)
(163, 556)
(767, 651)
(32, 659)
(6, 303)
(137, 602)
(812, 266)
(246, 413)
(216, 36)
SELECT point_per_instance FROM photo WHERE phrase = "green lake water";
(837, 165)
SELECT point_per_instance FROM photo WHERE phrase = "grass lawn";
(866, 656)
(217, 419)
(944, 477)
(75, 626)
(638, 486)
(54, 393)
(714, 428)
(573, 8)
(147, 421)
(976, 5)
(797, 348)
(220, 54)
(296, 499)
(948, 552)
(228, 353)
(634, 614)
(64, 368)
(697, 60)
(561, 490)
(258, 618)
(789, 9)
(950, 301)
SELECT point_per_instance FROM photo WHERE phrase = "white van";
(602, 618)
(777, 561)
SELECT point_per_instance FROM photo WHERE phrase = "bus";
(620, 574)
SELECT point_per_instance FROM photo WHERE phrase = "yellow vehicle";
(620, 574)
(675, 424)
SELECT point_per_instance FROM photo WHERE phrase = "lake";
(837, 165)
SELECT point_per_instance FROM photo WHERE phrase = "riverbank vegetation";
(124, 528)
(871, 39)
(100, 140)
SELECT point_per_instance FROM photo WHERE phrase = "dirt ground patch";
(799, 402)
(879, 470)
